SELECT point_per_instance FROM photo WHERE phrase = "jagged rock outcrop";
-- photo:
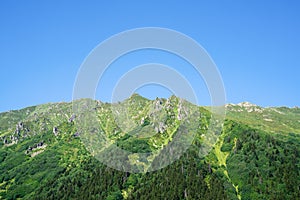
(72, 118)
(55, 131)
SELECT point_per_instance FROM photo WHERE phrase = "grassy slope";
(249, 161)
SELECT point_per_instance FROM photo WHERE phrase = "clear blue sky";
(255, 44)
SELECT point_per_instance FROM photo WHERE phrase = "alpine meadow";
(256, 156)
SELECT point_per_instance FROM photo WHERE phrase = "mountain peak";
(135, 95)
(244, 106)
(247, 104)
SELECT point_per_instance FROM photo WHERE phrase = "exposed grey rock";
(76, 134)
(72, 118)
(158, 105)
(209, 168)
(40, 144)
(162, 127)
(17, 129)
(182, 111)
(142, 121)
(55, 131)
(14, 138)
(21, 125)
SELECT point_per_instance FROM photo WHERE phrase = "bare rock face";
(142, 121)
(55, 131)
(72, 118)
(40, 144)
(19, 127)
(76, 134)
(182, 111)
(158, 104)
(162, 127)
(246, 104)
(36, 149)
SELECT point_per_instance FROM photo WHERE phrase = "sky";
(254, 44)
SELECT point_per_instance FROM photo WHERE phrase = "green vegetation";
(257, 156)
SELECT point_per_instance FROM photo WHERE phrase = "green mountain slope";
(256, 156)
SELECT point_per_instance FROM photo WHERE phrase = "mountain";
(171, 149)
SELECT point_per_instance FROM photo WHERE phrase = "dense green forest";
(256, 155)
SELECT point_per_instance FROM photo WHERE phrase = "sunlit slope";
(42, 155)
